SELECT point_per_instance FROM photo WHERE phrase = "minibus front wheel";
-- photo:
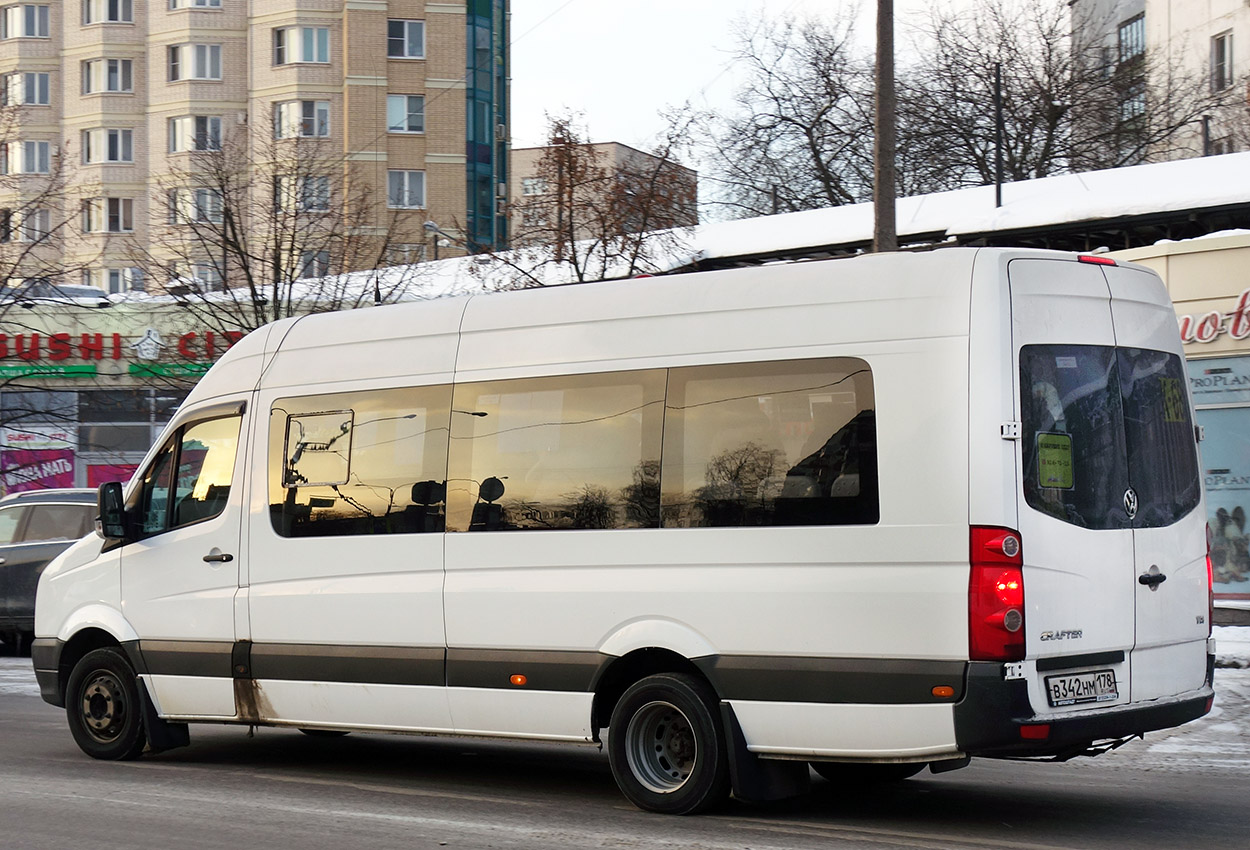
(666, 745)
(103, 706)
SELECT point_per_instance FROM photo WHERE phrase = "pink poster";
(36, 469)
(102, 473)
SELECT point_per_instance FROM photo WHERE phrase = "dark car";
(35, 527)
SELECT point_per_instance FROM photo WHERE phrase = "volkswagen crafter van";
(870, 515)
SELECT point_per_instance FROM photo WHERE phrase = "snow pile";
(1232, 646)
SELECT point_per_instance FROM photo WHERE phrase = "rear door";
(1076, 533)
(1169, 532)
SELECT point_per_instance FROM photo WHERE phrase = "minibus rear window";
(1099, 422)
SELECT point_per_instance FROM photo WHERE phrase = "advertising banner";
(1226, 474)
(36, 469)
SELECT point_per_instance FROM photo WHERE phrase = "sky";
(619, 63)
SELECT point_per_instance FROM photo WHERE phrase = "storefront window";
(1221, 389)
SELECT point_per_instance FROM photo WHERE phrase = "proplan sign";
(78, 354)
(1211, 326)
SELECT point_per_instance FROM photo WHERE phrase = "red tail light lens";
(995, 595)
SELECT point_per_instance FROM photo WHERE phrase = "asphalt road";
(281, 789)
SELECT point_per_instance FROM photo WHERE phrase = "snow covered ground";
(1218, 743)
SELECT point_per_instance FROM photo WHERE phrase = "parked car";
(35, 527)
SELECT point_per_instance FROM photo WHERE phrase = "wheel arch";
(622, 672)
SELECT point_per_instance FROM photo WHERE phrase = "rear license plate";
(1077, 688)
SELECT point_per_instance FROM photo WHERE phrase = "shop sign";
(46, 370)
(36, 469)
(1209, 327)
(38, 437)
(49, 355)
(1224, 380)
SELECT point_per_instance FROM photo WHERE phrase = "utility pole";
(884, 230)
(998, 134)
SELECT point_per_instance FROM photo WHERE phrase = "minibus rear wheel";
(103, 706)
(858, 775)
(666, 745)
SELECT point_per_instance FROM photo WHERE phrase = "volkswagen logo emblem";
(1130, 502)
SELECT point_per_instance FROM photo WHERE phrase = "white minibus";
(869, 514)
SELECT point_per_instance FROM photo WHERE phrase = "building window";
(302, 194)
(25, 89)
(36, 225)
(24, 21)
(108, 215)
(405, 113)
(107, 12)
(403, 254)
(25, 158)
(301, 118)
(1132, 38)
(108, 146)
(313, 264)
(533, 186)
(107, 75)
(301, 44)
(195, 4)
(194, 62)
(200, 205)
(405, 39)
(208, 276)
(1222, 61)
(195, 133)
(114, 281)
(405, 190)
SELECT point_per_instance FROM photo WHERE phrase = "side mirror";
(111, 523)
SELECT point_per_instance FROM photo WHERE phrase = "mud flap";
(757, 780)
(162, 735)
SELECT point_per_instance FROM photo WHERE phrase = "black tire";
(859, 775)
(666, 745)
(103, 706)
(324, 733)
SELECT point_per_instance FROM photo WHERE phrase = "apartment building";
(1185, 40)
(121, 104)
(643, 190)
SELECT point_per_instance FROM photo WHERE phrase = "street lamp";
(432, 228)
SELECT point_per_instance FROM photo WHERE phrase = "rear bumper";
(990, 718)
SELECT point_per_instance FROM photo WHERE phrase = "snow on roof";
(1088, 196)
(941, 216)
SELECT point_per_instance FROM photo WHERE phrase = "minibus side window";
(371, 462)
(768, 444)
(570, 452)
(189, 480)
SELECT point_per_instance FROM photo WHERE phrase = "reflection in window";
(577, 451)
(359, 463)
(770, 444)
(189, 480)
(1073, 434)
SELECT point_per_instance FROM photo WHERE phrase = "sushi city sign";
(1209, 327)
(66, 354)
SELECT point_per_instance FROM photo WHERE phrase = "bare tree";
(591, 216)
(802, 135)
(255, 229)
(1068, 104)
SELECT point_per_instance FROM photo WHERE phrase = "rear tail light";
(1096, 260)
(995, 595)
